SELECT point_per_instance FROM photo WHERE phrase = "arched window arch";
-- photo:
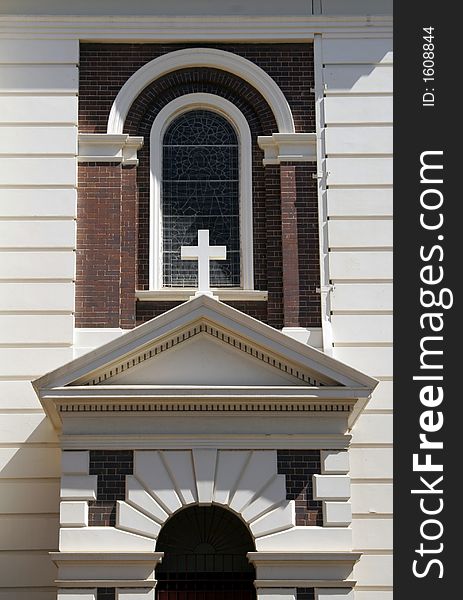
(200, 179)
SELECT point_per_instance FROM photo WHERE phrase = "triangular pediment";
(199, 346)
(206, 356)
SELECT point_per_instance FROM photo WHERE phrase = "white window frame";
(237, 119)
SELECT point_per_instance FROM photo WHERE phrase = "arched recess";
(205, 549)
(200, 57)
(228, 110)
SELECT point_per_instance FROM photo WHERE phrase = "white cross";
(203, 253)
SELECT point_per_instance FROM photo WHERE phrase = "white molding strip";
(85, 569)
(200, 57)
(180, 442)
(104, 147)
(315, 583)
(183, 294)
(288, 147)
(188, 28)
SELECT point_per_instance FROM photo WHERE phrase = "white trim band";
(183, 294)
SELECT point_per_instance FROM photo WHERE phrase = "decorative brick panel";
(290, 255)
(273, 246)
(300, 246)
(106, 594)
(113, 261)
(298, 466)
(98, 245)
(111, 467)
(305, 594)
(129, 246)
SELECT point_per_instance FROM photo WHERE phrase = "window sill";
(182, 294)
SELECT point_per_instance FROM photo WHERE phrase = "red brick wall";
(106, 594)
(129, 246)
(149, 310)
(298, 466)
(111, 468)
(290, 248)
(98, 245)
(305, 593)
(300, 245)
(113, 202)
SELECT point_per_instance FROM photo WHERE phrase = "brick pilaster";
(128, 221)
(300, 251)
(290, 247)
(111, 467)
(98, 245)
(273, 246)
(106, 594)
(298, 466)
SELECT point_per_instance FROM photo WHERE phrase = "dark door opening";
(205, 551)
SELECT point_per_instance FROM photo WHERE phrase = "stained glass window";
(200, 190)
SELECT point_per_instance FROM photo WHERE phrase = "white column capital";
(288, 147)
(109, 147)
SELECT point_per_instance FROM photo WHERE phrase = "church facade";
(195, 300)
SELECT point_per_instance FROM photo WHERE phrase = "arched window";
(200, 190)
(201, 178)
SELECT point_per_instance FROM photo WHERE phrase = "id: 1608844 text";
(428, 66)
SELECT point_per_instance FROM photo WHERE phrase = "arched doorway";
(205, 551)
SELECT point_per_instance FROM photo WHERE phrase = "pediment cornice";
(204, 327)
(291, 376)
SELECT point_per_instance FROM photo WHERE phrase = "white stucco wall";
(357, 74)
(38, 133)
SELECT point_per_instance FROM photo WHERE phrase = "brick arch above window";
(105, 67)
(199, 80)
(201, 57)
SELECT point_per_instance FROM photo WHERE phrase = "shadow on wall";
(29, 501)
